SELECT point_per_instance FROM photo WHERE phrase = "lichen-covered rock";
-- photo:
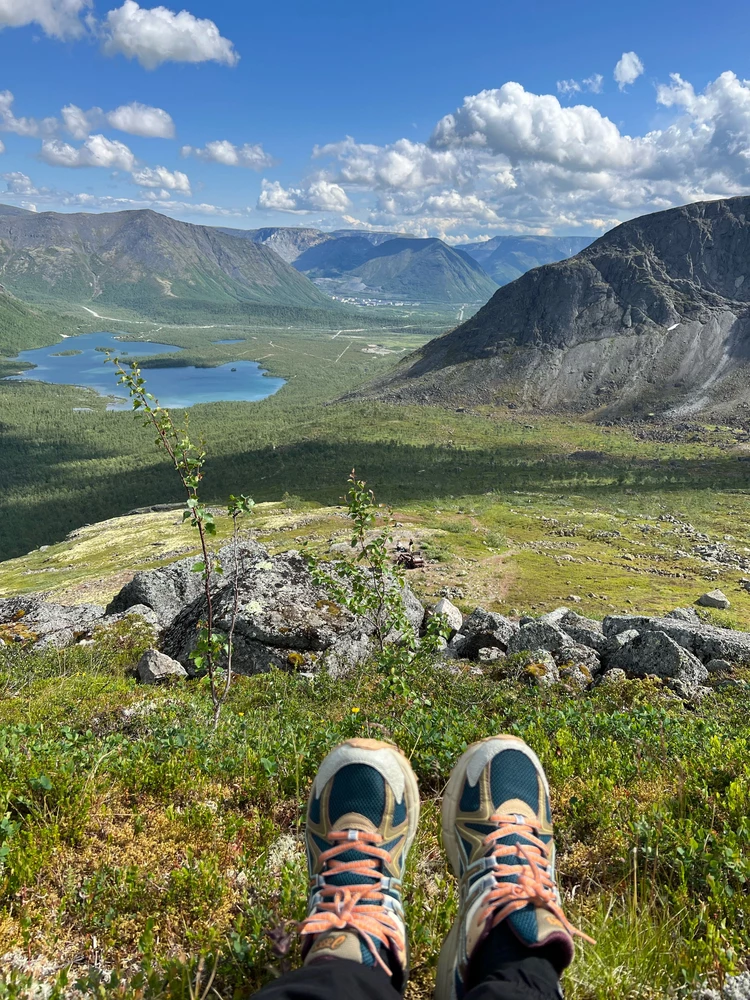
(584, 631)
(714, 599)
(577, 675)
(541, 634)
(707, 642)
(484, 629)
(35, 623)
(490, 655)
(616, 642)
(284, 619)
(735, 988)
(156, 668)
(684, 615)
(656, 653)
(167, 590)
(456, 648)
(452, 615)
(536, 667)
(719, 667)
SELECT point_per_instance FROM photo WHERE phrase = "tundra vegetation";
(146, 852)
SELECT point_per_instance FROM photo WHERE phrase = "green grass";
(137, 840)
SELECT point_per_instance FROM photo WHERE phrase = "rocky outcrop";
(37, 624)
(655, 315)
(654, 653)
(678, 649)
(283, 618)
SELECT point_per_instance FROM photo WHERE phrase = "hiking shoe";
(497, 833)
(361, 821)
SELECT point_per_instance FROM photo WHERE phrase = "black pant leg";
(527, 979)
(332, 979)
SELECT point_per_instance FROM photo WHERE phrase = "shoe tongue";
(339, 944)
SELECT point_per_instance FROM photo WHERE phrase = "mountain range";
(155, 265)
(142, 261)
(653, 315)
(506, 258)
(352, 261)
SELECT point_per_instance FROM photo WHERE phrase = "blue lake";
(242, 381)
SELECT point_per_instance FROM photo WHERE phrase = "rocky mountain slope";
(654, 315)
(142, 260)
(406, 268)
(506, 258)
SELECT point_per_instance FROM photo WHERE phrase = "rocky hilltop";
(654, 315)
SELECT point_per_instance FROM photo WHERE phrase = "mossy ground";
(137, 841)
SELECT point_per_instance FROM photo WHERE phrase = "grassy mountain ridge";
(403, 267)
(144, 262)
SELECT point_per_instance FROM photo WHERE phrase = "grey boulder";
(613, 677)
(584, 631)
(156, 668)
(656, 653)
(484, 629)
(707, 642)
(40, 623)
(714, 599)
(450, 612)
(541, 634)
(684, 615)
(284, 619)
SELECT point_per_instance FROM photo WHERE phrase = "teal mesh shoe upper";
(497, 830)
(360, 825)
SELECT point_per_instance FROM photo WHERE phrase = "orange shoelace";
(356, 907)
(534, 883)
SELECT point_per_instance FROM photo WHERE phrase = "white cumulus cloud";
(97, 151)
(22, 126)
(627, 70)
(2, 147)
(160, 35)
(510, 160)
(20, 184)
(160, 177)
(319, 195)
(57, 18)
(567, 87)
(140, 119)
(222, 151)
(513, 122)
(133, 118)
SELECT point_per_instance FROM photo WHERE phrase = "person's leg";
(336, 979)
(511, 939)
(361, 821)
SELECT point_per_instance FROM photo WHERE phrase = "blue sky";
(436, 118)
